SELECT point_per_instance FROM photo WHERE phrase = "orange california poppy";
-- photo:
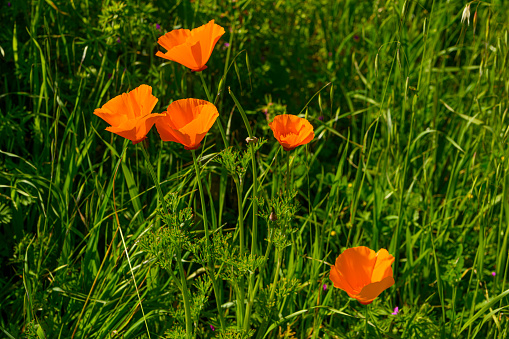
(191, 48)
(130, 114)
(187, 121)
(362, 273)
(291, 131)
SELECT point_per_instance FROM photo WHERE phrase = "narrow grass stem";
(254, 229)
(202, 196)
(366, 322)
(253, 288)
(288, 173)
(205, 87)
(276, 275)
(240, 298)
(210, 99)
(183, 282)
(272, 291)
(126, 144)
(123, 240)
(163, 203)
(210, 264)
(156, 182)
(185, 295)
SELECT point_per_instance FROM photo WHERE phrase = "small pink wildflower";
(396, 311)
(493, 273)
(212, 328)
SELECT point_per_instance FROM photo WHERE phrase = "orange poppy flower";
(362, 273)
(130, 114)
(191, 48)
(291, 131)
(187, 121)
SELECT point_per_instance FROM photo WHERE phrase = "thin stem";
(202, 196)
(276, 275)
(156, 182)
(272, 290)
(288, 188)
(210, 99)
(205, 87)
(183, 281)
(240, 299)
(366, 322)
(185, 294)
(123, 242)
(254, 288)
(126, 144)
(210, 265)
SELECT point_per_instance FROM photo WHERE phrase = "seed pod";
(273, 216)
(250, 140)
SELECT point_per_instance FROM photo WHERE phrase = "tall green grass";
(410, 110)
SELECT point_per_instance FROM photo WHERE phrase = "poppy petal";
(199, 127)
(109, 112)
(371, 291)
(356, 265)
(339, 281)
(291, 131)
(187, 121)
(383, 265)
(130, 114)
(142, 100)
(126, 130)
(191, 48)
(174, 38)
(169, 134)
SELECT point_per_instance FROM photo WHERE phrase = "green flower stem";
(263, 328)
(366, 323)
(156, 182)
(210, 265)
(185, 294)
(255, 176)
(202, 196)
(183, 282)
(288, 183)
(241, 295)
(162, 202)
(210, 99)
(276, 275)
(252, 286)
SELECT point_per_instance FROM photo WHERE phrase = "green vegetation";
(409, 107)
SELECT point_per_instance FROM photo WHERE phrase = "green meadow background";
(409, 107)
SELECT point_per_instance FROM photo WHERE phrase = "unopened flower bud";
(250, 140)
(273, 216)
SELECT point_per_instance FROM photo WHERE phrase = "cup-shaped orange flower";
(291, 131)
(187, 121)
(363, 273)
(130, 114)
(191, 48)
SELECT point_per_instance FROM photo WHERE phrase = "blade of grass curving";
(484, 308)
(119, 227)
